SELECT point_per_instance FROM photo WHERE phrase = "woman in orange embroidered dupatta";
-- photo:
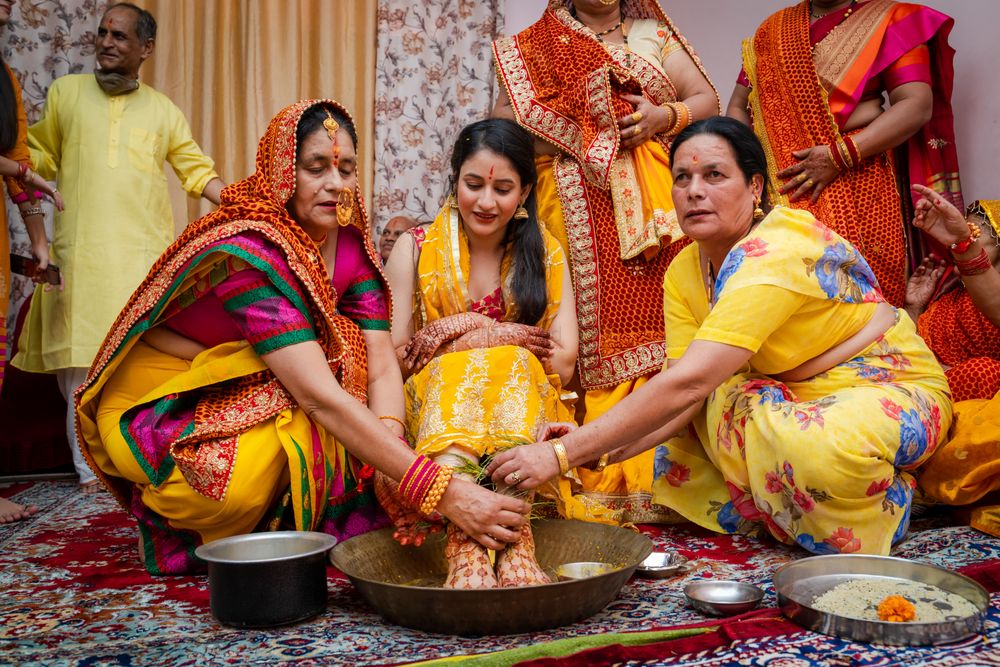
(812, 85)
(604, 85)
(230, 394)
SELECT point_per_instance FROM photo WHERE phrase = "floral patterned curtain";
(44, 40)
(434, 75)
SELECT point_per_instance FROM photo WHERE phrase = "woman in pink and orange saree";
(250, 382)
(812, 86)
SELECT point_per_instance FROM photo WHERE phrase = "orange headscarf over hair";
(257, 204)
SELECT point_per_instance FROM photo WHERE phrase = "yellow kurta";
(107, 155)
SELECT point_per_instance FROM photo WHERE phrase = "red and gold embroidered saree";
(806, 81)
(202, 449)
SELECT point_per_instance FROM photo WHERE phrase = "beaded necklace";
(600, 35)
(850, 10)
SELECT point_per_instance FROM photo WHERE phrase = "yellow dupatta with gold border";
(483, 400)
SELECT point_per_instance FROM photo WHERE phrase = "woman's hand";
(810, 175)
(426, 342)
(938, 217)
(534, 339)
(644, 123)
(524, 466)
(33, 181)
(920, 287)
(492, 519)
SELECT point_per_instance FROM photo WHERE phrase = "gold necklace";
(850, 8)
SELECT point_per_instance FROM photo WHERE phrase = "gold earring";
(345, 207)
(758, 212)
(521, 213)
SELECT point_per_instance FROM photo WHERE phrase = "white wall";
(717, 27)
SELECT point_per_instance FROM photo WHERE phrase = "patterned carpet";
(74, 594)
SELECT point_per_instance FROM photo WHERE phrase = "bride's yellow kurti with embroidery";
(484, 399)
(609, 207)
(823, 462)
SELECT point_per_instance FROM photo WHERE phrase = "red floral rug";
(74, 593)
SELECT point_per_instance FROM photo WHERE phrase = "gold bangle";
(395, 419)
(602, 462)
(436, 492)
(560, 450)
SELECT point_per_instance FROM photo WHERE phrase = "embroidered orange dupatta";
(791, 109)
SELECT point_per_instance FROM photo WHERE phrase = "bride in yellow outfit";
(492, 335)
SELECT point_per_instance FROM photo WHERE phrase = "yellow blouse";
(783, 328)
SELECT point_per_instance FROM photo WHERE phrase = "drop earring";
(758, 212)
(521, 213)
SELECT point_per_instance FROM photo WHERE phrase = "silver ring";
(516, 476)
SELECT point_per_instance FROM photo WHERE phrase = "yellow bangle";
(435, 493)
(560, 450)
(395, 419)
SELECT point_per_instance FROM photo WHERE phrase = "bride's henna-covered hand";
(426, 342)
(534, 339)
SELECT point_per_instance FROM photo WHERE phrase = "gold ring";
(637, 132)
(637, 116)
(809, 183)
(516, 476)
(801, 177)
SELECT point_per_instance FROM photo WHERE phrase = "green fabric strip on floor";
(563, 647)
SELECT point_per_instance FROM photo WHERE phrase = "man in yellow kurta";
(104, 138)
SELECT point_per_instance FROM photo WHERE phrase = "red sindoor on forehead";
(491, 172)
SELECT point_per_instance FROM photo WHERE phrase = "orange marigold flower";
(896, 609)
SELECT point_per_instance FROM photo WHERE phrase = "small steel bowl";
(583, 570)
(723, 598)
(267, 579)
(661, 564)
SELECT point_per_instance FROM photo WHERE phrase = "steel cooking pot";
(267, 579)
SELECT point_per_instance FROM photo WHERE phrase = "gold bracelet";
(602, 462)
(560, 450)
(395, 419)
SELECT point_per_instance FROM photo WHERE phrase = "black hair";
(313, 119)
(145, 24)
(745, 144)
(506, 138)
(8, 110)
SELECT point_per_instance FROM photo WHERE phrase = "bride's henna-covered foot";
(469, 563)
(517, 565)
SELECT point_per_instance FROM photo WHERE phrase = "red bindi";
(491, 173)
(695, 158)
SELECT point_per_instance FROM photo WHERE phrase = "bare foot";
(11, 512)
(469, 563)
(517, 565)
(91, 487)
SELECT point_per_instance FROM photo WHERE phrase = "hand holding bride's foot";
(11, 511)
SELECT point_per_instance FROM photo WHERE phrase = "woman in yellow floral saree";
(229, 395)
(605, 86)
(796, 401)
(491, 337)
